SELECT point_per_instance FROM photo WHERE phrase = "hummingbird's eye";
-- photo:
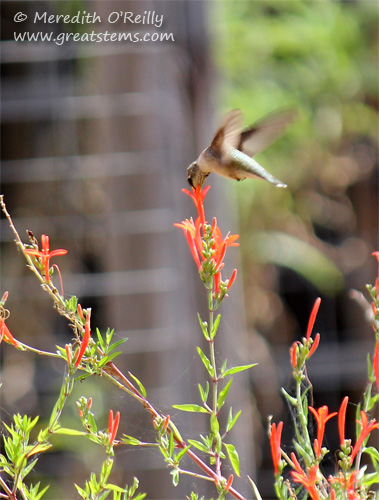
(189, 179)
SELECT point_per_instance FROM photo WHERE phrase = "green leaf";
(116, 344)
(237, 369)
(171, 444)
(233, 457)
(111, 356)
(175, 477)
(141, 387)
(181, 453)
(204, 393)
(232, 420)
(370, 369)
(215, 326)
(215, 426)
(80, 490)
(223, 393)
(130, 440)
(373, 452)
(206, 362)
(113, 487)
(29, 467)
(100, 339)
(198, 445)
(191, 407)
(41, 493)
(370, 479)
(70, 432)
(203, 326)
(291, 399)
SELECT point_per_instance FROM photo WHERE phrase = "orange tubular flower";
(321, 416)
(348, 484)
(314, 345)
(45, 255)
(229, 483)
(367, 427)
(312, 317)
(113, 424)
(198, 195)
(375, 363)
(232, 278)
(293, 354)
(85, 340)
(299, 476)
(342, 419)
(192, 233)
(275, 439)
(216, 245)
(6, 334)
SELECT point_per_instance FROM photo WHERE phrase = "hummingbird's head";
(195, 175)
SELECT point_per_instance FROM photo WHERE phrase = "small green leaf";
(171, 444)
(232, 420)
(41, 493)
(291, 399)
(203, 326)
(223, 393)
(215, 326)
(100, 339)
(233, 457)
(29, 467)
(141, 387)
(113, 487)
(130, 440)
(198, 445)
(191, 407)
(370, 369)
(369, 479)
(80, 490)
(70, 432)
(206, 362)
(237, 369)
(181, 453)
(215, 426)
(204, 393)
(373, 452)
(175, 477)
(116, 344)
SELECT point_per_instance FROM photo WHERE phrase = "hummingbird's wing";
(256, 138)
(229, 134)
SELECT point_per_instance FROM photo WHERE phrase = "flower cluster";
(207, 245)
(45, 255)
(306, 463)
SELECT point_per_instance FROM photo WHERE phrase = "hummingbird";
(232, 148)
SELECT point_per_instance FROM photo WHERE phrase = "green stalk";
(212, 351)
(303, 419)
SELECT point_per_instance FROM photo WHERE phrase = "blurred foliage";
(321, 58)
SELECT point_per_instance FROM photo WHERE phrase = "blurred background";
(96, 138)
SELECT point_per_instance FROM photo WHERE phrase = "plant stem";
(303, 419)
(212, 351)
